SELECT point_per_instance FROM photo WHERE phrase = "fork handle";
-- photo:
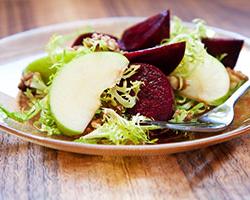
(238, 93)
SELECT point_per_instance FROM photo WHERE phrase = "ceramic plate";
(20, 49)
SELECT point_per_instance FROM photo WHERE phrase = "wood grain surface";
(30, 171)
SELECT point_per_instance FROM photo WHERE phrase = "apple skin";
(146, 34)
(165, 57)
(66, 131)
(219, 46)
(221, 100)
(42, 65)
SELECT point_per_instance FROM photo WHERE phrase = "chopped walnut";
(189, 117)
(177, 82)
(95, 39)
(235, 77)
(26, 81)
(33, 81)
(95, 123)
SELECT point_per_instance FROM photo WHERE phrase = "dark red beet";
(219, 46)
(156, 98)
(147, 33)
(165, 57)
(80, 38)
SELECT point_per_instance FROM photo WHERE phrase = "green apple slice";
(209, 82)
(43, 65)
(75, 92)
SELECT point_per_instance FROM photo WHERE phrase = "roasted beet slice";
(147, 33)
(80, 38)
(156, 98)
(165, 57)
(218, 46)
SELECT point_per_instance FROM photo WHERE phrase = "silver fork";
(215, 120)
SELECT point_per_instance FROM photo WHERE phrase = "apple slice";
(166, 57)
(147, 33)
(209, 82)
(43, 65)
(75, 92)
(219, 46)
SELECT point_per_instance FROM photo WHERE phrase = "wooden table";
(30, 171)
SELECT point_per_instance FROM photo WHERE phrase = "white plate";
(20, 49)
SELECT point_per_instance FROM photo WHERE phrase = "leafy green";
(46, 122)
(187, 109)
(119, 131)
(195, 51)
(60, 54)
(125, 93)
(58, 43)
(130, 71)
(122, 94)
(22, 116)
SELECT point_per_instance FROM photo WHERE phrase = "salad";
(100, 89)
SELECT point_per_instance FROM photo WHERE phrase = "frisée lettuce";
(195, 51)
(119, 131)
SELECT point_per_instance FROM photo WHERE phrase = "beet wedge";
(219, 46)
(146, 34)
(78, 41)
(156, 97)
(166, 57)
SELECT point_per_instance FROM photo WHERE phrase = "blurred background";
(20, 15)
